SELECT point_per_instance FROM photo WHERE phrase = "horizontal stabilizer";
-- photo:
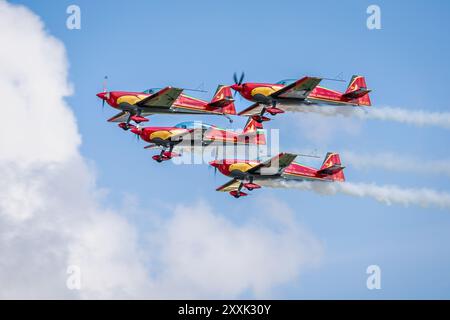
(335, 168)
(332, 167)
(361, 92)
(357, 91)
(223, 99)
(221, 103)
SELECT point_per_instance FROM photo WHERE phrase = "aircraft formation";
(268, 99)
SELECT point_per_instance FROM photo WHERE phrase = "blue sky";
(153, 44)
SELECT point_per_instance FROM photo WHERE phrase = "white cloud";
(51, 217)
(233, 259)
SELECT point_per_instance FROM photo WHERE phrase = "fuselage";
(260, 92)
(127, 100)
(239, 169)
(200, 132)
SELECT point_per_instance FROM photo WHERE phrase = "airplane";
(197, 133)
(135, 106)
(285, 95)
(252, 174)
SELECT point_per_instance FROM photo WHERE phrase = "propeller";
(137, 131)
(238, 81)
(241, 79)
(215, 158)
(105, 82)
(138, 137)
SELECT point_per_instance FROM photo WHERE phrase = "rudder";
(253, 132)
(332, 167)
(223, 99)
(357, 90)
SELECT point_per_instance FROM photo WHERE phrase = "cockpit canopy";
(286, 82)
(193, 125)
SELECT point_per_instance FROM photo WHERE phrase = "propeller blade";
(105, 82)
(241, 78)
(235, 79)
(216, 154)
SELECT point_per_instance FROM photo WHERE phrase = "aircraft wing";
(231, 185)
(123, 116)
(163, 98)
(120, 117)
(152, 146)
(254, 109)
(276, 164)
(299, 89)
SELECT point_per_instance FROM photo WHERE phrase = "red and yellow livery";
(288, 94)
(251, 174)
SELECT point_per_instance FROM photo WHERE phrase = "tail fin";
(253, 132)
(223, 99)
(332, 167)
(357, 90)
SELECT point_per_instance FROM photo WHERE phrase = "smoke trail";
(392, 162)
(416, 117)
(384, 194)
(413, 117)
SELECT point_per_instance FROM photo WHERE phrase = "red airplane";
(137, 105)
(251, 174)
(287, 94)
(196, 133)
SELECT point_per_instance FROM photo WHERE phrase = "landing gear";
(138, 119)
(273, 110)
(165, 155)
(125, 126)
(157, 158)
(248, 185)
(237, 194)
(133, 117)
(260, 118)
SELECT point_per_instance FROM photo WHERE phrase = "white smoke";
(394, 162)
(387, 194)
(412, 117)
